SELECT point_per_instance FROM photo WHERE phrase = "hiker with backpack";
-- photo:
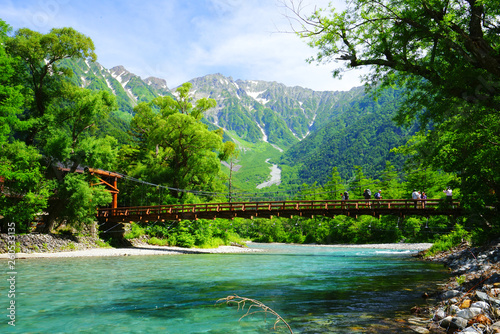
(367, 195)
(415, 195)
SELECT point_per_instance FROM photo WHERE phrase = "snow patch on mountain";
(264, 136)
(255, 96)
(277, 147)
(109, 85)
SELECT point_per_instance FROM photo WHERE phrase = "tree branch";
(241, 301)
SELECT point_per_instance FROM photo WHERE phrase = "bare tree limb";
(241, 301)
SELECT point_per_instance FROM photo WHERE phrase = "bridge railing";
(275, 206)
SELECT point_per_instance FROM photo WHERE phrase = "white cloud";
(178, 40)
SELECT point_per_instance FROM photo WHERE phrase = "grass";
(254, 168)
(102, 244)
(158, 242)
(135, 232)
(449, 241)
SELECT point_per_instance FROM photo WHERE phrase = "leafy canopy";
(174, 147)
(46, 122)
(447, 56)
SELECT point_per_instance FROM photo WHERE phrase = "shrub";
(212, 243)
(185, 240)
(158, 231)
(449, 241)
(135, 232)
(102, 244)
(158, 242)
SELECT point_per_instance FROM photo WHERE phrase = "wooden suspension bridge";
(305, 208)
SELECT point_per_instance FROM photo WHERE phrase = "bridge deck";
(329, 208)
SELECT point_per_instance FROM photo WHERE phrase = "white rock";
(420, 330)
(471, 330)
(454, 309)
(481, 305)
(439, 315)
(469, 313)
(450, 294)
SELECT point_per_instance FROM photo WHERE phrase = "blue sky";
(178, 40)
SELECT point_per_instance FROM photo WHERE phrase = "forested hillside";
(362, 133)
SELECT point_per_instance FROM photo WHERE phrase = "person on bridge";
(378, 195)
(423, 197)
(449, 196)
(415, 195)
(367, 195)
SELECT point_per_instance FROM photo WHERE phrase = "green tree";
(69, 125)
(446, 55)
(55, 126)
(11, 97)
(175, 148)
(390, 184)
(335, 186)
(67, 139)
(360, 183)
(40, 54)
(24, 191)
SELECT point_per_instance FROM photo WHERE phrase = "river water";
(315, 289)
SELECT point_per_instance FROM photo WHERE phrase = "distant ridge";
(314, 131)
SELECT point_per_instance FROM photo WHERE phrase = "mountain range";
(305, 132)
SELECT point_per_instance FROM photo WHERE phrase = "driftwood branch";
(254, 307)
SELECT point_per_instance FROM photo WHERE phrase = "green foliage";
(175, 148)
(449, 241)
(461, 279)
(135, 231)
(102, 244)
(360, 134)
(82, 200)
(450, 84)
(28, 189)
(185, 240)
(10, 93)
(158, 242)
(42, 78)
(48, 121)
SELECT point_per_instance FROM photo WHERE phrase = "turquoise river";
(315, 289)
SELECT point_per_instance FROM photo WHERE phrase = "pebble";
(474, 305)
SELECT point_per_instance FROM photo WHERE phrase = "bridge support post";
(114, 203)
(113, 233)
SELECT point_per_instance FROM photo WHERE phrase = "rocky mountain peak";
(156, 83)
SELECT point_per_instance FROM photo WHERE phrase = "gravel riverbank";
(470, 301)
(141, 250)
(56, 245)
